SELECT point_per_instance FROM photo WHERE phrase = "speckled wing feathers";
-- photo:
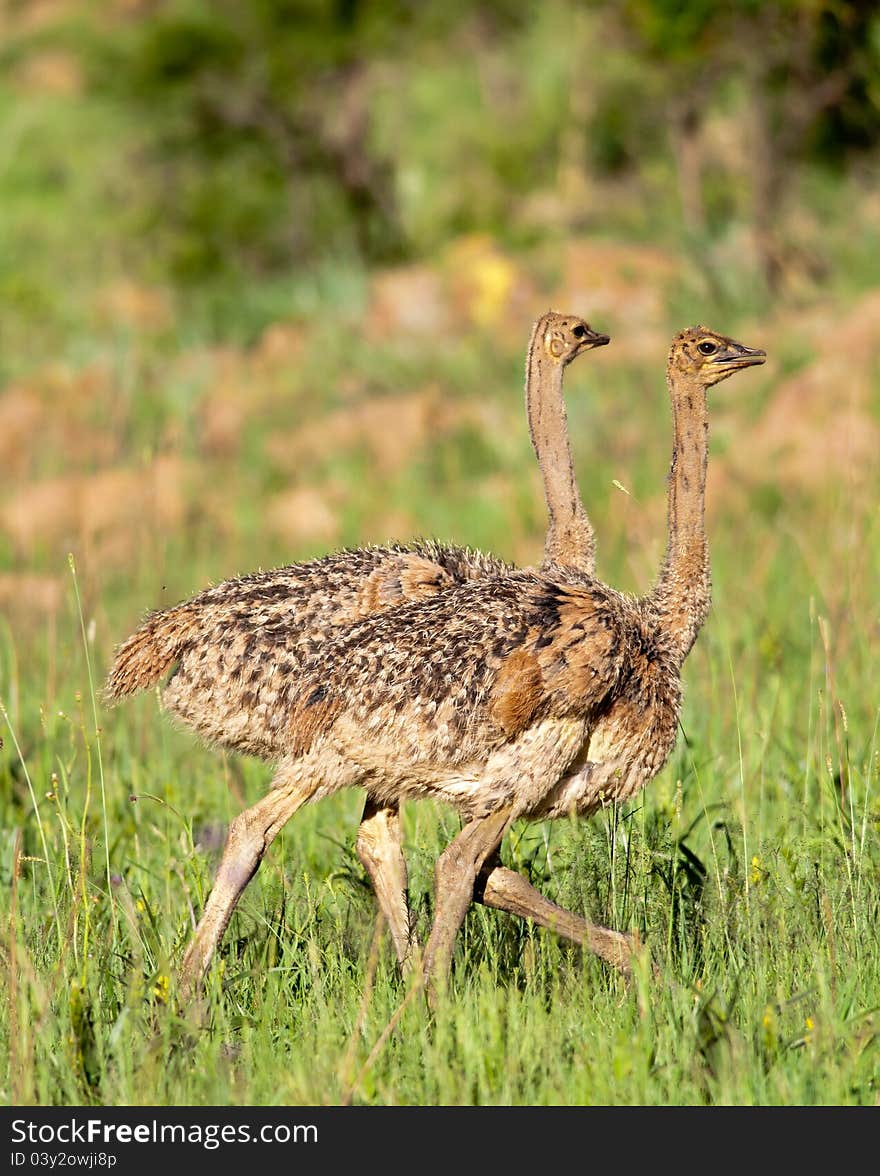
(237, 648)
(462, 674)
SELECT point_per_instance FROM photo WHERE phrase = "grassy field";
(151, 444)
(750, 866)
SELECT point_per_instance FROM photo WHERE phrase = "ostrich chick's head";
(701, 352)
(565, 336)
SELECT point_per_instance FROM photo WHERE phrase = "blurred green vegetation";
(221, 146)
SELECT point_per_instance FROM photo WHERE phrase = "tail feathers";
(150, 651)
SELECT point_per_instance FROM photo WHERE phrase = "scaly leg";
(505, 890)
(250, 835)
(378, 847)
(454, 878)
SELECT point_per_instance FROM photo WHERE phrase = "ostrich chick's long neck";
(683, 591)
(570, 540)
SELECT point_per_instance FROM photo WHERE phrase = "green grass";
(750, 867)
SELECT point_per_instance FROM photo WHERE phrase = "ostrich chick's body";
(495, 694)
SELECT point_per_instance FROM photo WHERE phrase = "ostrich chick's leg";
(505, 890)
(454, 878)
(378, 847)
(250, 835)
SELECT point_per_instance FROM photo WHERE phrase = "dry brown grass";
(818, 425)
(107, 512)
(69, 479)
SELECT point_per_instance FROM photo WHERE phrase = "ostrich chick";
(237, 649)
(524, 695)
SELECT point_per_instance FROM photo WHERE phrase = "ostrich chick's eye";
(707, 347)
(578, 332)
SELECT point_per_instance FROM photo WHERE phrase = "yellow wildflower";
(160, 988)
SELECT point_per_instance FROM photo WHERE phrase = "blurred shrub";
(261, 136)
(256, 139)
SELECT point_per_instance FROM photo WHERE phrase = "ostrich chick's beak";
(730, 358)
(594, 339)
(736, 355)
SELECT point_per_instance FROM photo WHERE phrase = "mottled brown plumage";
(524, 695)
(452, 697)
(238, 649)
